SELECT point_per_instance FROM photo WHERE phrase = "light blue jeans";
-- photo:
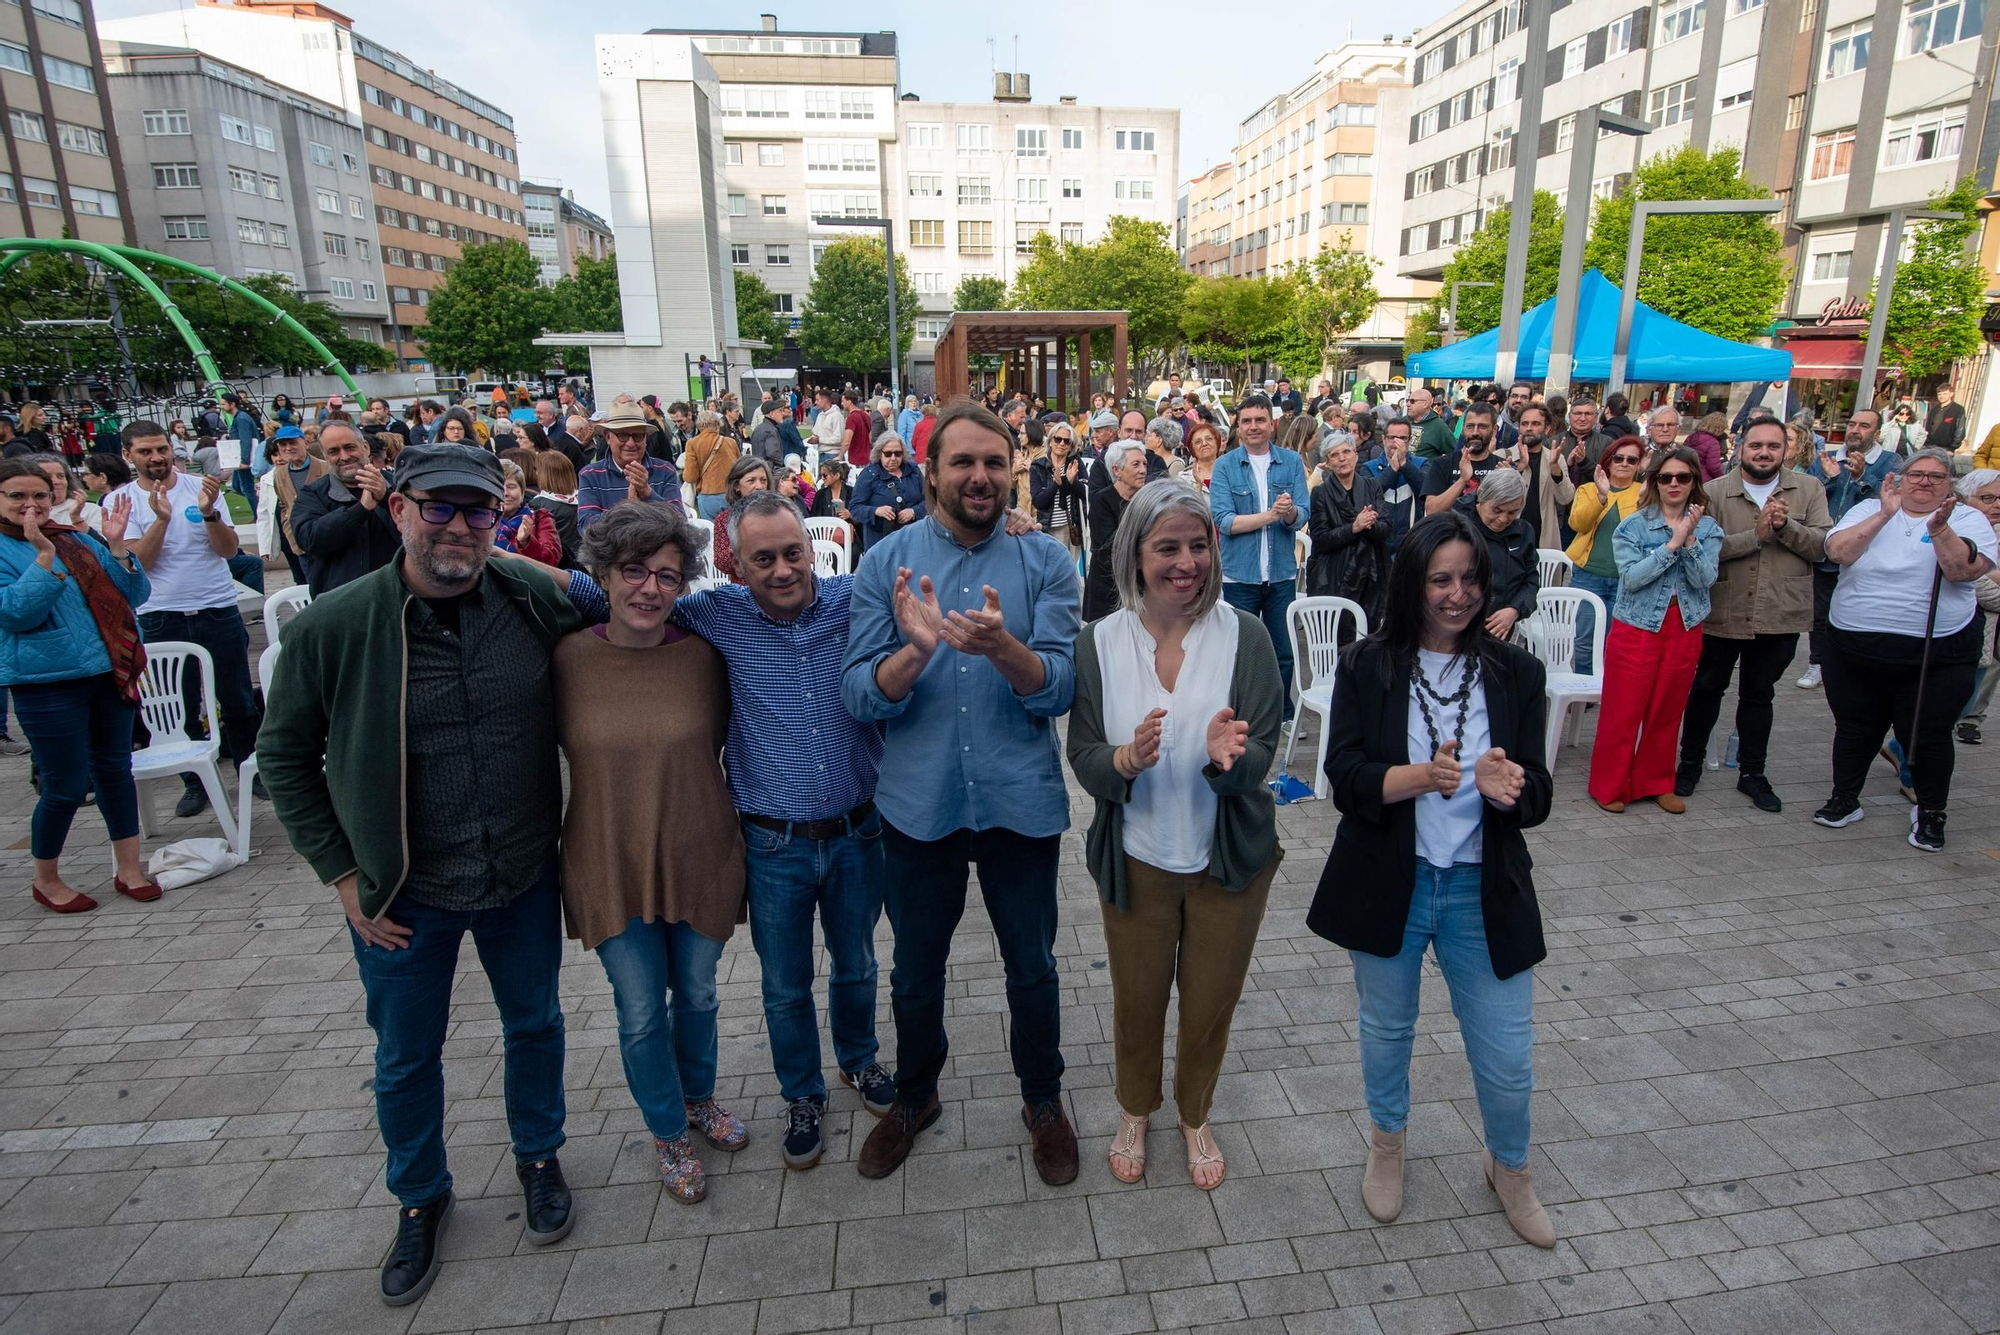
(668, 1044)
(711, 507)
(1605, 587)
(1495, 1016)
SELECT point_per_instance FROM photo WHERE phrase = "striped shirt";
(602, 485)
(794, 753)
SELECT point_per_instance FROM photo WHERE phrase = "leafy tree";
(846, 320)
(756, 318)
(1132, 268)
(488, 312)
(1722, 272)
(1332, 294)
(1483, 258)
(587, 302)
(1940, 290)
(1247, 320)
(980, 292)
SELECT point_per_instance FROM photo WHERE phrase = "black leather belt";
(836, 827)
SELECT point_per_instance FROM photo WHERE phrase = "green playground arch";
(121, 259)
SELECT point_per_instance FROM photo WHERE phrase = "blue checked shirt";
(961, 751)
(793, 752)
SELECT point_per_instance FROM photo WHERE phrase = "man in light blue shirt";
(1255, 494)
(961, 643)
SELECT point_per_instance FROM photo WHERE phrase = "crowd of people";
(844, 746)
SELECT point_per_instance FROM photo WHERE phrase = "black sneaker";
(1838, 812)
(1927, 829)
(874, 1085)
(1968, 732)
(413, 1259)
(194, 800)
(551, 1214)
(803, 1142)
(1758, 789)
(1686, 776)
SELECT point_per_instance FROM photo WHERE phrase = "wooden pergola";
(1031, 342)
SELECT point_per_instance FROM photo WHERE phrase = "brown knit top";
(650, 832)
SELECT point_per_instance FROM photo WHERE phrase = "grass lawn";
(239, 508)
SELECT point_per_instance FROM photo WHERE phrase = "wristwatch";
(211, 518)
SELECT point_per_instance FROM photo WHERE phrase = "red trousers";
(1647, 677)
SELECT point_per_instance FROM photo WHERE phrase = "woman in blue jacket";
(70, 653)
(889, 494)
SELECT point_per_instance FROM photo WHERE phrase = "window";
(1574, 56)
(350, 164)
(334, 244)
(341, 287)
(1423, 181)
(63, 11)
(102, 203)
(28, 125)
(1031, 143)
(930, 282)
(364, 249)
(368, 290)
(1133, 189)
(1681, 18)
(281, 235)
(273, 189)
(14, 57)
(926, 232)
(243, 182)
(856, 106)
(1072, 187)
(739, 252)
(975, 189)
(1071, 233)
(1832, 155)
(1929, 136)
(778, 255)
(926, 136)
(732, 153)
(166, 122)
(1743, 6)
(770, 155)
(822, 104)
(1507, 81)
(185, 229)
(1929, 24)
(1737, 99)
(251, 232)
(851, 156)
(1031, 190)
(268, 141)
(1565, 133)
(843, 204)
(1847, 48)
(328, 200)
(1618, 35)
(1024, 237)
(1132, 141)
(397, 256)
(236, 131)
(1673, 104)
(975, 238)
(931, 328)
(926, 185)
(781, 303)
(176, 176)
(355, 208)
(1831, 266)
(974, 140)
(1350, 164)
(739, 206)
(40, 193)
(1072, 138)
(1346, 213)
(71, 75)
(1427, 122)
(755, 103)
(774, 206)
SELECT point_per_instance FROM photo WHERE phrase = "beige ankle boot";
(1516, 1191)
(1382, 1184)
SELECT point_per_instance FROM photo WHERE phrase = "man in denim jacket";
(1256, 494)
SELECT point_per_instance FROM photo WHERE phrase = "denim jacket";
(1232, 491)
(1649, 575)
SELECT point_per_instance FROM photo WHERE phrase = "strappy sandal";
(1202, 1153)
(1130, 1145)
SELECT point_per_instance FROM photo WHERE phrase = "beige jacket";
(1766, 588)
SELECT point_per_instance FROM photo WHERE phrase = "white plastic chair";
(1313, 626)
(293, 599)
(829, 558)
(246, 776)
(267, 667)
(172, 751)
(707, 530)
(1555, 567)
(1556, 610)
(830, 530)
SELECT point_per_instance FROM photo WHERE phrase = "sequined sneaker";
(720, 1127)
(682, 1173)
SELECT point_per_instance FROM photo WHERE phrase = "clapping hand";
(638, 481)
(1143, 751)
(1282, 509)
(156, 500)
(1498, 779)
(1771, 519)
(982, 631)
(1939, 521)
(1227, 737)
(374, 487)
(1603, 481)
(211, 487)
(1892, 496)
(1445, 770)
(1366, 519)
(917, 617)
(1684, 526)
(1465, 466)
(117, 514)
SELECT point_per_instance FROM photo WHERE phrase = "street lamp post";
(1451, 310)
(1576, 226)
(1885, 286)
(889, 245)
(1628, 297)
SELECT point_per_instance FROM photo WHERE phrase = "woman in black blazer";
(1435, 757)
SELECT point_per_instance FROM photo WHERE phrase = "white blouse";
(1448, 828)
(1170, 819)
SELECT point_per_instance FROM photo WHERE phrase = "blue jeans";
(668, 1046)
(1495, 1015)
(219, 630)
(1271, 603)
(790, 876)
(710, 507)
(409, 1007)
(924, 890)
(81, 732)
(244, 484)
(247, 569)
(1605, 587)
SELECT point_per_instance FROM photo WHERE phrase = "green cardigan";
(1246, 817)
(331, 748)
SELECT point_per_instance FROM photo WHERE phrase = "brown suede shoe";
(1055, 1141)
(1670, 804)
(891, 1140)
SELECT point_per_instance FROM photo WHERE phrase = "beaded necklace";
(1462, 698)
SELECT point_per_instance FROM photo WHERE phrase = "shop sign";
(1842, 308)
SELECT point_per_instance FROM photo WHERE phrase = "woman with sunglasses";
(1668, 553)
(1895, 554)
(889, 493)
(1903, 433)
(1595, 515)
(1056, 486)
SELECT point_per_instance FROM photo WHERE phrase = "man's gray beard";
(448, 570)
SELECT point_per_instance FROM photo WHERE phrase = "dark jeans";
(409, 1008)
(1764, 659)
(925, 891)
(219, 630)
(247, 569)
(243, 484)
(1823, 586)
(1871, 686)
(1271, 604)
(81, 732)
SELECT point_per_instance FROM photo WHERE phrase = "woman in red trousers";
(1668, 552)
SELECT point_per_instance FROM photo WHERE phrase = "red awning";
(1828, 359)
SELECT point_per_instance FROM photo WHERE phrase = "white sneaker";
(1809, 679)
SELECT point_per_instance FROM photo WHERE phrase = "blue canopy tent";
(1662, 349)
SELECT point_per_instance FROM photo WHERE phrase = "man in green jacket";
(1433, 434)
(393, 699)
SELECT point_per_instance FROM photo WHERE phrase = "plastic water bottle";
(1729, 751)
(1714, 758)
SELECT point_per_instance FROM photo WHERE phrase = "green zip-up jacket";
(332, 748)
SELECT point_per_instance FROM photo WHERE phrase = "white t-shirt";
(187, 575)
(1170, 819)
(1260, 469)
(1448, 828)
(1761, 492)
(1888, 589)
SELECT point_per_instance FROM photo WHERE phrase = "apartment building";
(560, 229)
(60, 173)
(1207, 221)
(442, 160)
(974, 183)
(230, 171)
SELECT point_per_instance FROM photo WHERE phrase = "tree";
(1226, 319)
(1483, 258)
(1940, 290)
(1332, 294)
(846, 320)
(488, 312)
(587, 301)
(980, 292)
(1132, 268)
(1722, 272)
(757, 318)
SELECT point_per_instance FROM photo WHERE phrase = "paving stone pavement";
(1768, 1068)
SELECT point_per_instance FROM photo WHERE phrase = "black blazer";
(1364, 893)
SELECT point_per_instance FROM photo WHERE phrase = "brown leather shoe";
(894, 1136)
(1055, 1141)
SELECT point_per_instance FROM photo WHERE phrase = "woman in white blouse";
(1178, 702)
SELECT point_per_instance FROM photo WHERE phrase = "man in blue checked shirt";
(961, 646)
(802, 775)
(1259, 497)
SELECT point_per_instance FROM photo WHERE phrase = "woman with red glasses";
(1668, 552)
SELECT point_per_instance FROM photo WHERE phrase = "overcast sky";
(533, 57)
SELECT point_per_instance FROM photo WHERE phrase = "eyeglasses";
(636, 575)
(439, 513)
(1927, 476)
(1674, 479)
